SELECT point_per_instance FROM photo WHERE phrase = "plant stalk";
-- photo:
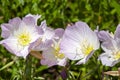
(28, 68)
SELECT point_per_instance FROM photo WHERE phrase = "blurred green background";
(58, 14)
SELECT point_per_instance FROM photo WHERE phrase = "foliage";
(59, 13)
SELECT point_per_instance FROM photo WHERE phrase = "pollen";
(24, 39)
(57, 54)
(87, 48)
(117, 55)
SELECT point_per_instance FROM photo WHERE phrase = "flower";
(79, 42)
(19, 34)
(52, 56)
(111, 46)
(45, 41)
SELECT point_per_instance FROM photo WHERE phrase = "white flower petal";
(77, 37)
(48, 34)
(49, 58)
(87, 33)
(59, 32)
(117, 32)
(107, 59)
(62, 62)
(69, 47)
(20, 34)
(13, 46)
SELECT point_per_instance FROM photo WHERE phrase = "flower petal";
(7, 29)
(29, 21)
(15, 22)
(69, 48)
(73, 39)
(38, 45)
(107, 60)
(84, 60)
(104, 36)
(20, 34)
(117, 32)
(109, 45)
(49, 58)
(48, 34)
(36, 17)
(85, 32)
(11, 45)
(43, 25)
(62, 62)
(59, 32)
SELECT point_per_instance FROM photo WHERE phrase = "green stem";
(28, 66)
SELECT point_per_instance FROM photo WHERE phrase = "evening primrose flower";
(19, 34)
(52, 55)
(45, 41)
(79, 42)
(111, 46)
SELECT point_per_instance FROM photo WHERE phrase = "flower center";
(57, 53)
(117, 55)
(24, 39)
(86, 48)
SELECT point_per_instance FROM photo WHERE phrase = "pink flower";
(111, 46)
(19, 34)
(79, 42)
(52, 55)
(45, 41)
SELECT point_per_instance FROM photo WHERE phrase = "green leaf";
(116, 6)
(7, 65)
(39, 78)
(90, 72)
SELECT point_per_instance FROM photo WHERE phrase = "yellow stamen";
(117, 55)
(57, 54)
(24, 39)
(87, 48)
